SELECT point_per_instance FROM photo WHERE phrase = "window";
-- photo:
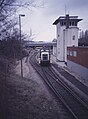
(68, 53)
(73, 24)
(58, 35)
(69, 23)
(61, 23)
(75, 53)
(45, 57)
(72, 53)
(73, 37)
(64, 23)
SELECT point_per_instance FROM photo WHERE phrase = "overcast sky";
(40, 20)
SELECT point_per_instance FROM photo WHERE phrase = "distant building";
(67, 35)
(77, 60)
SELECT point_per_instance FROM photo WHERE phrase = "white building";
(67, 35)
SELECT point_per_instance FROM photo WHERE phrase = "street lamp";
(21, 15)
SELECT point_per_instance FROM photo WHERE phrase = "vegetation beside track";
(22, 98)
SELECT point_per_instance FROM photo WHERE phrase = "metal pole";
(20, 45)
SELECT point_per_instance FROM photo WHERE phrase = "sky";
(40, 19)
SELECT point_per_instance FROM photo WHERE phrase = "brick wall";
(78, 55)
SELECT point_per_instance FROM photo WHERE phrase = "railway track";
(71, 78)
(76, 106)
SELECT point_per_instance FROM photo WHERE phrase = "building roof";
(64, 18)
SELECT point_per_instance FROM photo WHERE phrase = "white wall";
(65, 39)
(60, 41)
(68, 39)
(73, 31)
(78, 69)
(54, 50)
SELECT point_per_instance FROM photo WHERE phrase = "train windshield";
(45, 56)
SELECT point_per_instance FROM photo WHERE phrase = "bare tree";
(7, 13)
(83, 39)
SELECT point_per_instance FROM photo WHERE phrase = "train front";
(44, 57)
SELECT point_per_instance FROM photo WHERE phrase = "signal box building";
(67, 35)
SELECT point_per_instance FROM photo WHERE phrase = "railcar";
(44, 57)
